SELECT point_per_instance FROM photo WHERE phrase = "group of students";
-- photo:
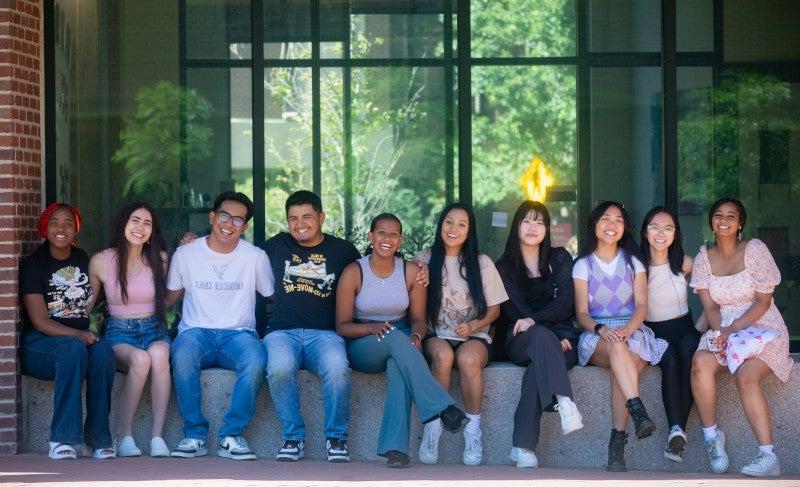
(335, 310)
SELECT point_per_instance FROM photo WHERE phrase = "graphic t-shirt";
(63, 283)
(457, 306)
(219, 288)
(306, 278)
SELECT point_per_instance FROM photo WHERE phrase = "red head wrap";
(50, 210)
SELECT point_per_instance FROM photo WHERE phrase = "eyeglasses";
(653, 228)
(237, 221)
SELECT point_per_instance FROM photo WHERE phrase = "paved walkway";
(38, 470)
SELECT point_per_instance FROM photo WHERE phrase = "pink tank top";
(141, 291)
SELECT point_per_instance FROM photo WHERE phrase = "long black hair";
(512, 255)
(469, 267)
(674, 252)
(627, 243)
(151, 254)
(374, 223)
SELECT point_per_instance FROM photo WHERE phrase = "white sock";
(474, 422)
(710, 433)
(435, 427)
(767, 449)
(562, 399)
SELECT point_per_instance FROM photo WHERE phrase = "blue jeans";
(196, 349)
(407, 377)
(137, 332)
(68, 361)
(321, 352)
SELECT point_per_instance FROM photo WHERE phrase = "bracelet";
(598, 327)
(418, 335)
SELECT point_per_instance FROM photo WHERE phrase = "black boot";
(644, 425)
(616, 451)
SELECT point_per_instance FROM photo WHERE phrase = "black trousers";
(676, 366)
(539, 350)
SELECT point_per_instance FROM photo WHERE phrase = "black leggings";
(676, 366)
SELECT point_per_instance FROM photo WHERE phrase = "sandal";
(104, 453)
(62, 451)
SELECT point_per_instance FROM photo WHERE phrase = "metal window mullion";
(257, 100)
(347, 129)
(449, 127)
(584, 120)
(464, 103)
(669, 99)
(316, 110)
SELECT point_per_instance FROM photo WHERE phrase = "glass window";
(626, 138)
(624, 25)
(287, 29)
(695, 25)
(217, 29)
(741, 139)
(523, 28)
(287, 139)
(761, 31)
(524, 146)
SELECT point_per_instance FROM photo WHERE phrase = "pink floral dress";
(767, 338)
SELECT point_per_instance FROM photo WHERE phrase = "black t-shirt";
(305, 281)
(63, 283)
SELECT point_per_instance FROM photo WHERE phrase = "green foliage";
(151, 148)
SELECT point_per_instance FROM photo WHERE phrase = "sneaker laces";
(714, 448)
(240, 443)
(473, 442)
(763, 460)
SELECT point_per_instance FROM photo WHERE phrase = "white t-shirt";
(220, 288)
(580, 270)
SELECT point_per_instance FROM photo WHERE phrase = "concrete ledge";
(585, 448)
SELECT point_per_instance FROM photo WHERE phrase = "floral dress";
(767, 338)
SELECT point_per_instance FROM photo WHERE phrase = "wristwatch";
(598, 327)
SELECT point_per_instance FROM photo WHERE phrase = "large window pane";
(217, 29)
(745, 137)
(761, 31)
(694, 25)
(624, 25)
(524, 139)
(396, 158)
(523, 28)
(287, 138)
(219, 147)
(626, 138)
(287, 29)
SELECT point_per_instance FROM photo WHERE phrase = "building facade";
(396, 105)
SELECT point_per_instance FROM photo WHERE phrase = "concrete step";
(585, 448)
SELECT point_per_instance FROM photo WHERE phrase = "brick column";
(20, 185)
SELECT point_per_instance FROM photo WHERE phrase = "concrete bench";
(585, 448)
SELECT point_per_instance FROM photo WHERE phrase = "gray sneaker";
(765, 465)
(716, 453)
(190, 448)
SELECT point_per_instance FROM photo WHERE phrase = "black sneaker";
(397, 459)
(337, 450)
(616, 451)
(453, 419)
(291, 451)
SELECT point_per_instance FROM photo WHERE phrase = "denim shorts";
(136, 332)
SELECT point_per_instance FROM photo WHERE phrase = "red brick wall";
(20, 184)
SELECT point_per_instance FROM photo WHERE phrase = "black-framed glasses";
(224, 217)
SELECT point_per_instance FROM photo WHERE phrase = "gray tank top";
(382, 299)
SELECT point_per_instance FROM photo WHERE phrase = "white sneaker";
(158, 448)
(473, 447)
(676, 443)
(716, 453)
(126, 447)
(429, 448)
(190, 448)
(765, 465)
(571, 419)
(236, 448)
(524, 458)
(104, 454)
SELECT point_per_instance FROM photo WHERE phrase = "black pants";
(539, 350)
(676, 366)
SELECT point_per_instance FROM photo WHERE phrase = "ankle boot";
(644, 425)
(616, 451)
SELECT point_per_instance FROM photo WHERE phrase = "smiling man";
(307, 264)
(218, 276)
